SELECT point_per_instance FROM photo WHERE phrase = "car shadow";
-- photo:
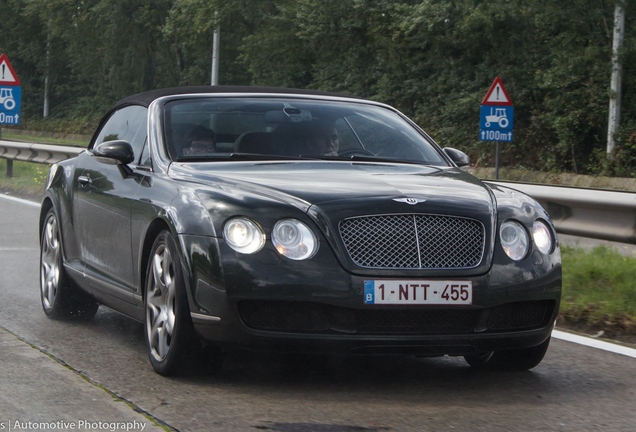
(429, 379)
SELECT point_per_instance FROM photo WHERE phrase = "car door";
(105, 194)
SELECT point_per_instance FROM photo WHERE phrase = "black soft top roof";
(146, 98)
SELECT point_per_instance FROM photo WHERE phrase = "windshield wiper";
(360, 158)
(239, 157)
(264, 157)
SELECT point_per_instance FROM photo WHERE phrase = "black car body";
(362, 233)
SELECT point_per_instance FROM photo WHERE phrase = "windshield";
(205, 129)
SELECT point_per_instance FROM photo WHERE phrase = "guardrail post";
(9, 161)
(497, 163)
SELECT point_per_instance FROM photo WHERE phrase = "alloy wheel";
(50, 262)
(160, 303)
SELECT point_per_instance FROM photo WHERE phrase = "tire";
(503, 122)
(173, 345)
(61, 297)
(9, 104)
(510, 360)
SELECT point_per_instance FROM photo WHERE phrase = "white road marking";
(20, 200)
(594, 343)
(581, 340)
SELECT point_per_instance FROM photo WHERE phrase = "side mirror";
(460, 158)
(119, 150)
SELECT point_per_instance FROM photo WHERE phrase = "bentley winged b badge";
(411, 201)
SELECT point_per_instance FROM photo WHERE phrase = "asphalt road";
(576, 388)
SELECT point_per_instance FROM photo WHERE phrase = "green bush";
(433, 59)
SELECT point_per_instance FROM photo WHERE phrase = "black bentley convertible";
(278, 219)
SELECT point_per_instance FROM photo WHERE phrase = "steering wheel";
(356, 151)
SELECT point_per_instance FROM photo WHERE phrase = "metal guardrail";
(39, 153)
(33, 152)
(595, 213)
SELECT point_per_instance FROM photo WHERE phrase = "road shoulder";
(39, 389)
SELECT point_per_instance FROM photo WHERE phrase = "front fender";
(58, 194)
(512, 204)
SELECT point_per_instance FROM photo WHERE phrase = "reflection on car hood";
(322, 183)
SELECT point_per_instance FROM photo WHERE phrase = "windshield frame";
(159, 149)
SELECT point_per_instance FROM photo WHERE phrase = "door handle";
(84, 180)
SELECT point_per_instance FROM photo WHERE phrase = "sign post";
(496, 117)
(10, 99)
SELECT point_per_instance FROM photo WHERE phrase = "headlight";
(542, 236)
(514, 239)
(243, 235)
(294, 239)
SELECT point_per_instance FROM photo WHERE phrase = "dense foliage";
(433, 59)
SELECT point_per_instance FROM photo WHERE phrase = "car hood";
(318, 183)
(330, 192)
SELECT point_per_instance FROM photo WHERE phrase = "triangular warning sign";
(8, 77)
(497, 95)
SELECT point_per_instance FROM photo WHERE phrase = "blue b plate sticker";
(418, 292)
(369, 292)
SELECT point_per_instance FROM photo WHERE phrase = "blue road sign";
(496, 123)
(496, 117)
(7, 118)
(495, 135)
(10, 103)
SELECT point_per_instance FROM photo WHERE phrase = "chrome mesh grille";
(413, 241)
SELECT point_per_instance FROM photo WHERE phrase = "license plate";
(418, 292)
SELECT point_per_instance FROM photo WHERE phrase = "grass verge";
(28, 178)
(599, 289)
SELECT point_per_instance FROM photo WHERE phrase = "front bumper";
(267, 303)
